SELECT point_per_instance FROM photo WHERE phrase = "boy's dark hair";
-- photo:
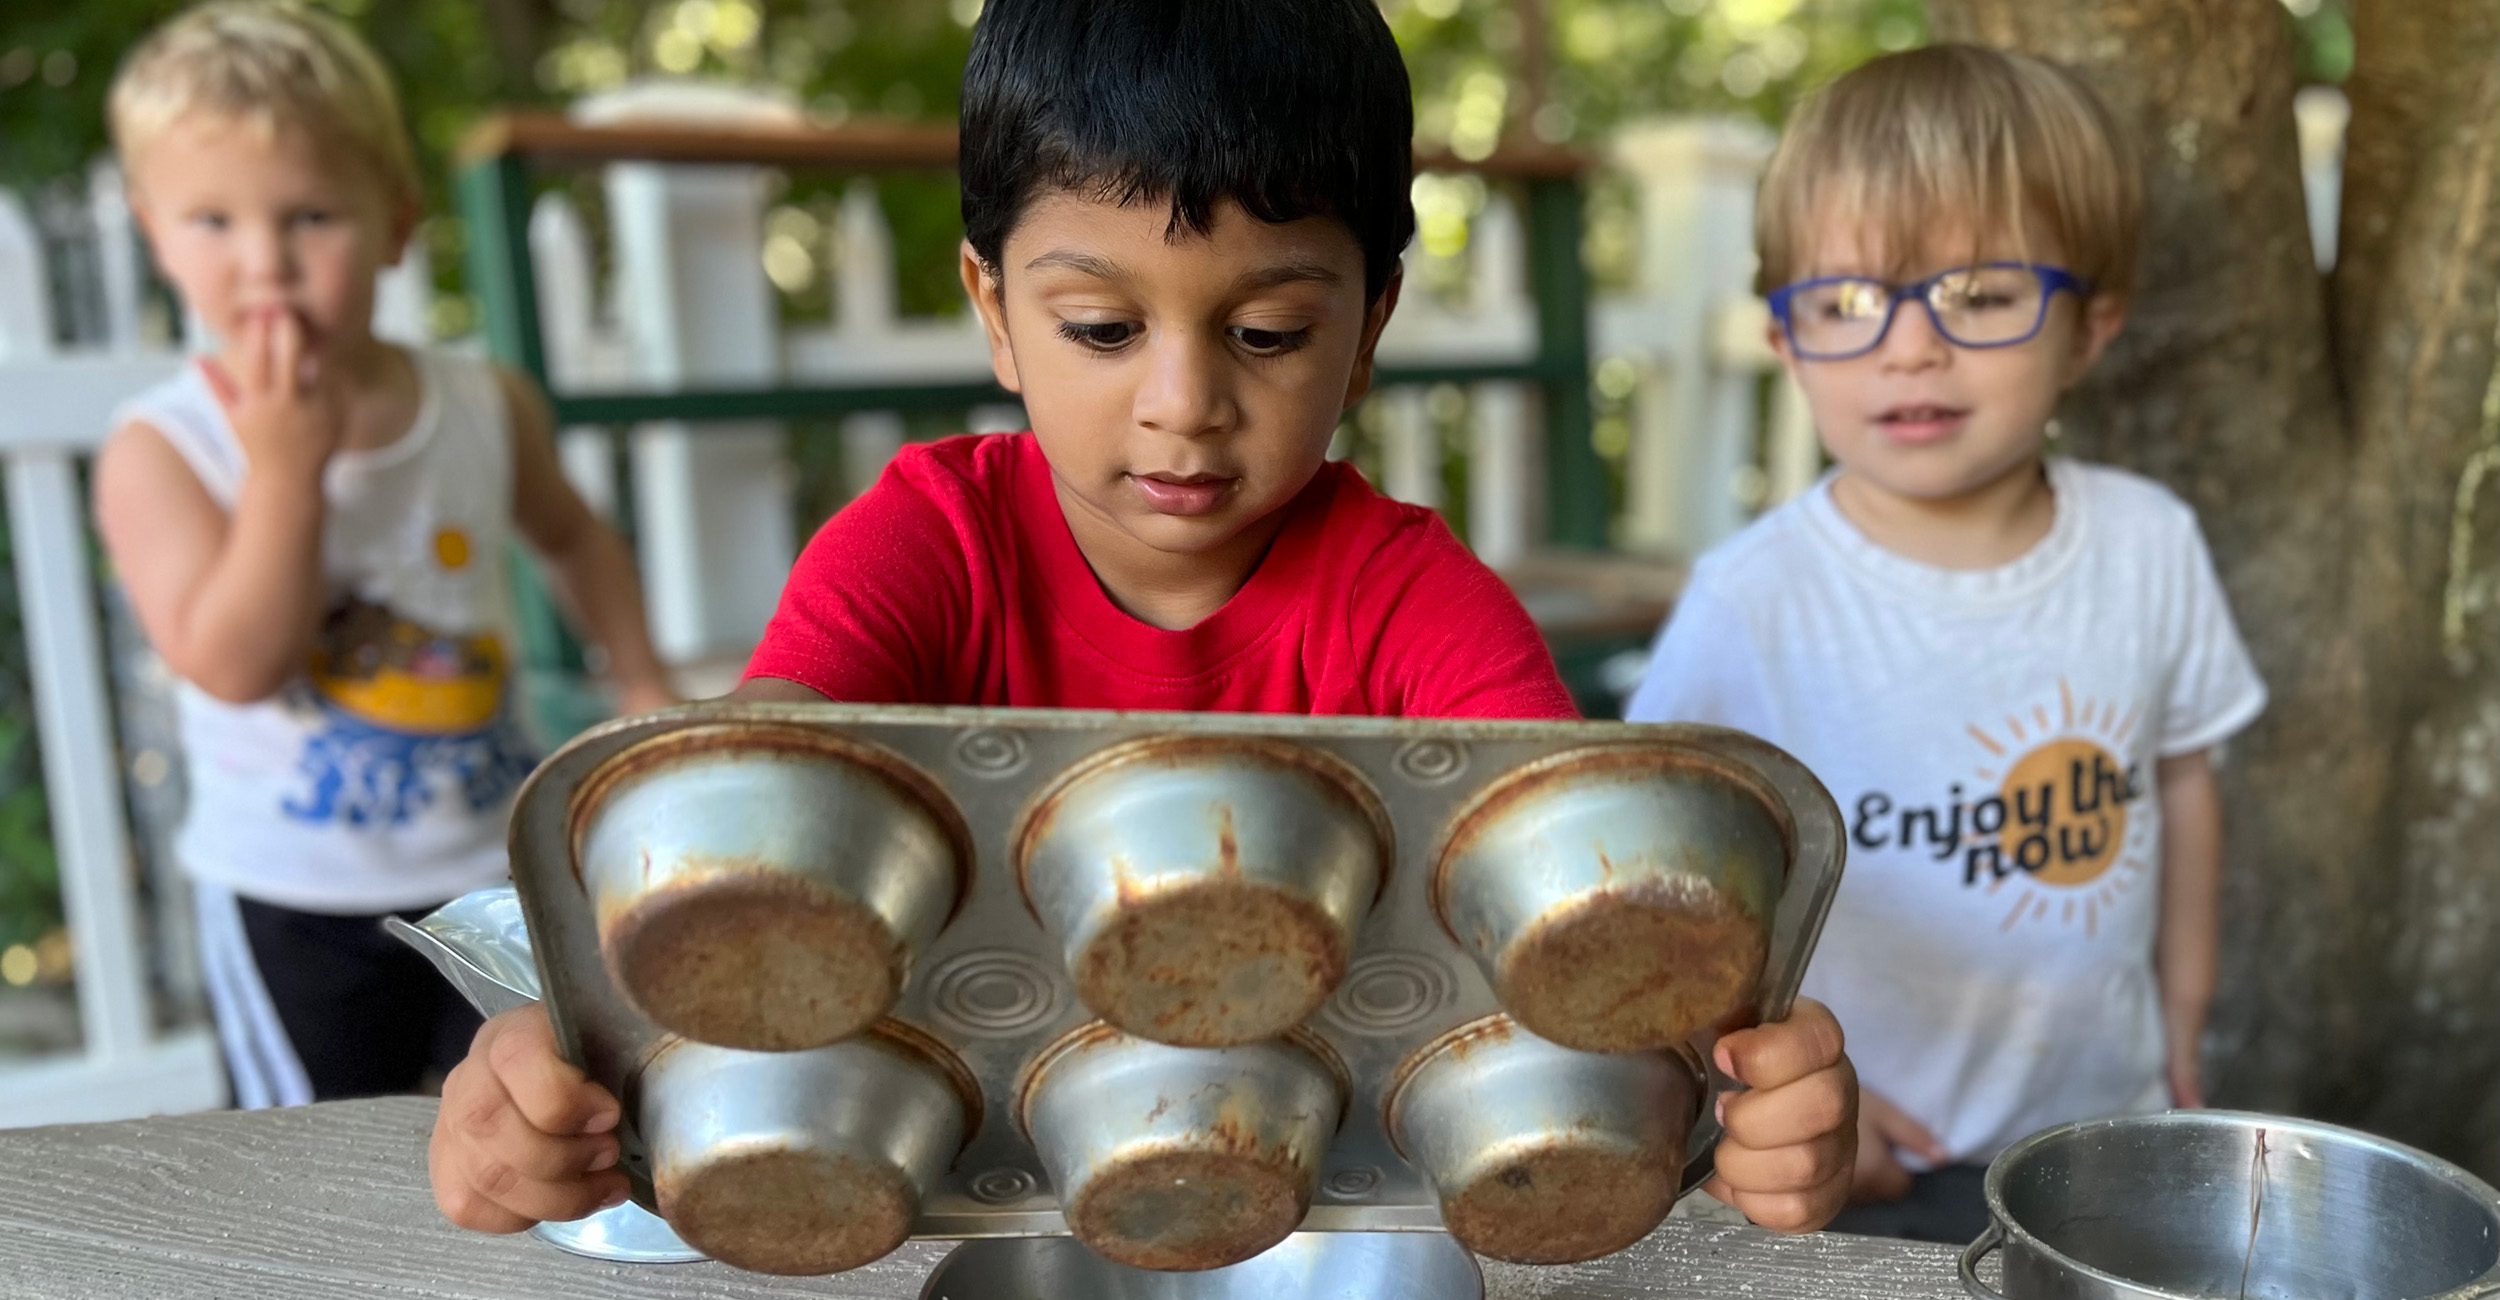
(1290, 108)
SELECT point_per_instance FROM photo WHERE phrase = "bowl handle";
(1978, 1250)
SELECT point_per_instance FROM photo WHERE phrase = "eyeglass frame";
(2052, 279)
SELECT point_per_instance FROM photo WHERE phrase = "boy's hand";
(1884, 1128)
(634, 697)
(2187, 1083)
(1791, 1139)
(522, 1135)
(287, 410)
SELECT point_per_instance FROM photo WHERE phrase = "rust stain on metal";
(1637, 966)
(1227, 843)
(1212, 962)
(787, 1211)
(1193, 1206)
(1560, 1202)
(752, 958)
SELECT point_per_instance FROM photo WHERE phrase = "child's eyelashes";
(1269, 343)
(1111, 336)
(1101, 336)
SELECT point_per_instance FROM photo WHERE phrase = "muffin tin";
(1177, 984)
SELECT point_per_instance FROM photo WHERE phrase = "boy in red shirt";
(1183, 221)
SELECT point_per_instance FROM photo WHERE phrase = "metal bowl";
(803, 1162)
(1205, 891)
(764, 887)
(1182, 1158)
(1543, 1155)
(1618, 898)
(2193, 1204)
(1304, 1266)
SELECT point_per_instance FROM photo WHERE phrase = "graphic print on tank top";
(2049, 820)
(410, 714)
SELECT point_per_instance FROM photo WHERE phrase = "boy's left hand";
(1791, 1138)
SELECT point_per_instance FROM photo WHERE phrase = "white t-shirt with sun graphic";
(381, 777)
(1991, 738)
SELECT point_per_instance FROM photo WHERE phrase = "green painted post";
(1575, 482)
(495, 208)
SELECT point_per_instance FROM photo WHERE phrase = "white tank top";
(381, 776)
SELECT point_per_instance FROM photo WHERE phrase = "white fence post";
(864, 296)
(712, 508)
(25, 295)
(123, 1068)
(1505, 483)
(1693, 420)
(568, 322)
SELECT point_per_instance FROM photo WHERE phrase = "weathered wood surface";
(331, 1201)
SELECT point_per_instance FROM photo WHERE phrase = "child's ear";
(1375, 320)
(981, 285)
(1778, 339)
(2104, 314)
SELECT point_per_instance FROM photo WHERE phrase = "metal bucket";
(1305, 1266)
(1617, 898)
(1542, 1155)
(803, 1162)
(764, 888)
(2216, 1205)
(1205, 891)
(1182, 1158)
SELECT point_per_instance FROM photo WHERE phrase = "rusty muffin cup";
(803, 1162)
(1175, 1158)
(1205, 892)
(764, 887)
(1618, 898)
(1543, 1155)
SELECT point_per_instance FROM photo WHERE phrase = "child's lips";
(1184, 495)
(1919, 425)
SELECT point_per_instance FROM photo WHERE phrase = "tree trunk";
(2338, 442)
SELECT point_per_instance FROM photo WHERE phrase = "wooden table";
(330, 1203)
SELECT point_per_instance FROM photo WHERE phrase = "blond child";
(311, 525)
(2010, 668)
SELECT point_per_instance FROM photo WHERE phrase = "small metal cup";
(764, 887)
(1182, 1158)
(1542, 1155)
(1205, 891)
(803, 1162)
(1618, 898)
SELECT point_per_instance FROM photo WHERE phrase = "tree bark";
(2336, 442)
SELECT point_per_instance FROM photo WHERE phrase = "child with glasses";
(2011, 668)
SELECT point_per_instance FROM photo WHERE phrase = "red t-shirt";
(954, 580)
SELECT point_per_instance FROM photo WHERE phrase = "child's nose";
(269, 255)
(1184, 390)
(1913, 342)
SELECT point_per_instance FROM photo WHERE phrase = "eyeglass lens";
(1976, 306)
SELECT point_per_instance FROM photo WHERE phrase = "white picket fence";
(688, 302)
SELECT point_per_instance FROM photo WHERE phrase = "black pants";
(1949, 1205)
(341, 1009)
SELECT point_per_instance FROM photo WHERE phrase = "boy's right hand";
(1884, 1128)
(288, 410)
(523, 1135)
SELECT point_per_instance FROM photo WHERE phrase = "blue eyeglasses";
(1986, 305)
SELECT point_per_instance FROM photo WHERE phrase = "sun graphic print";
(2068, 841)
